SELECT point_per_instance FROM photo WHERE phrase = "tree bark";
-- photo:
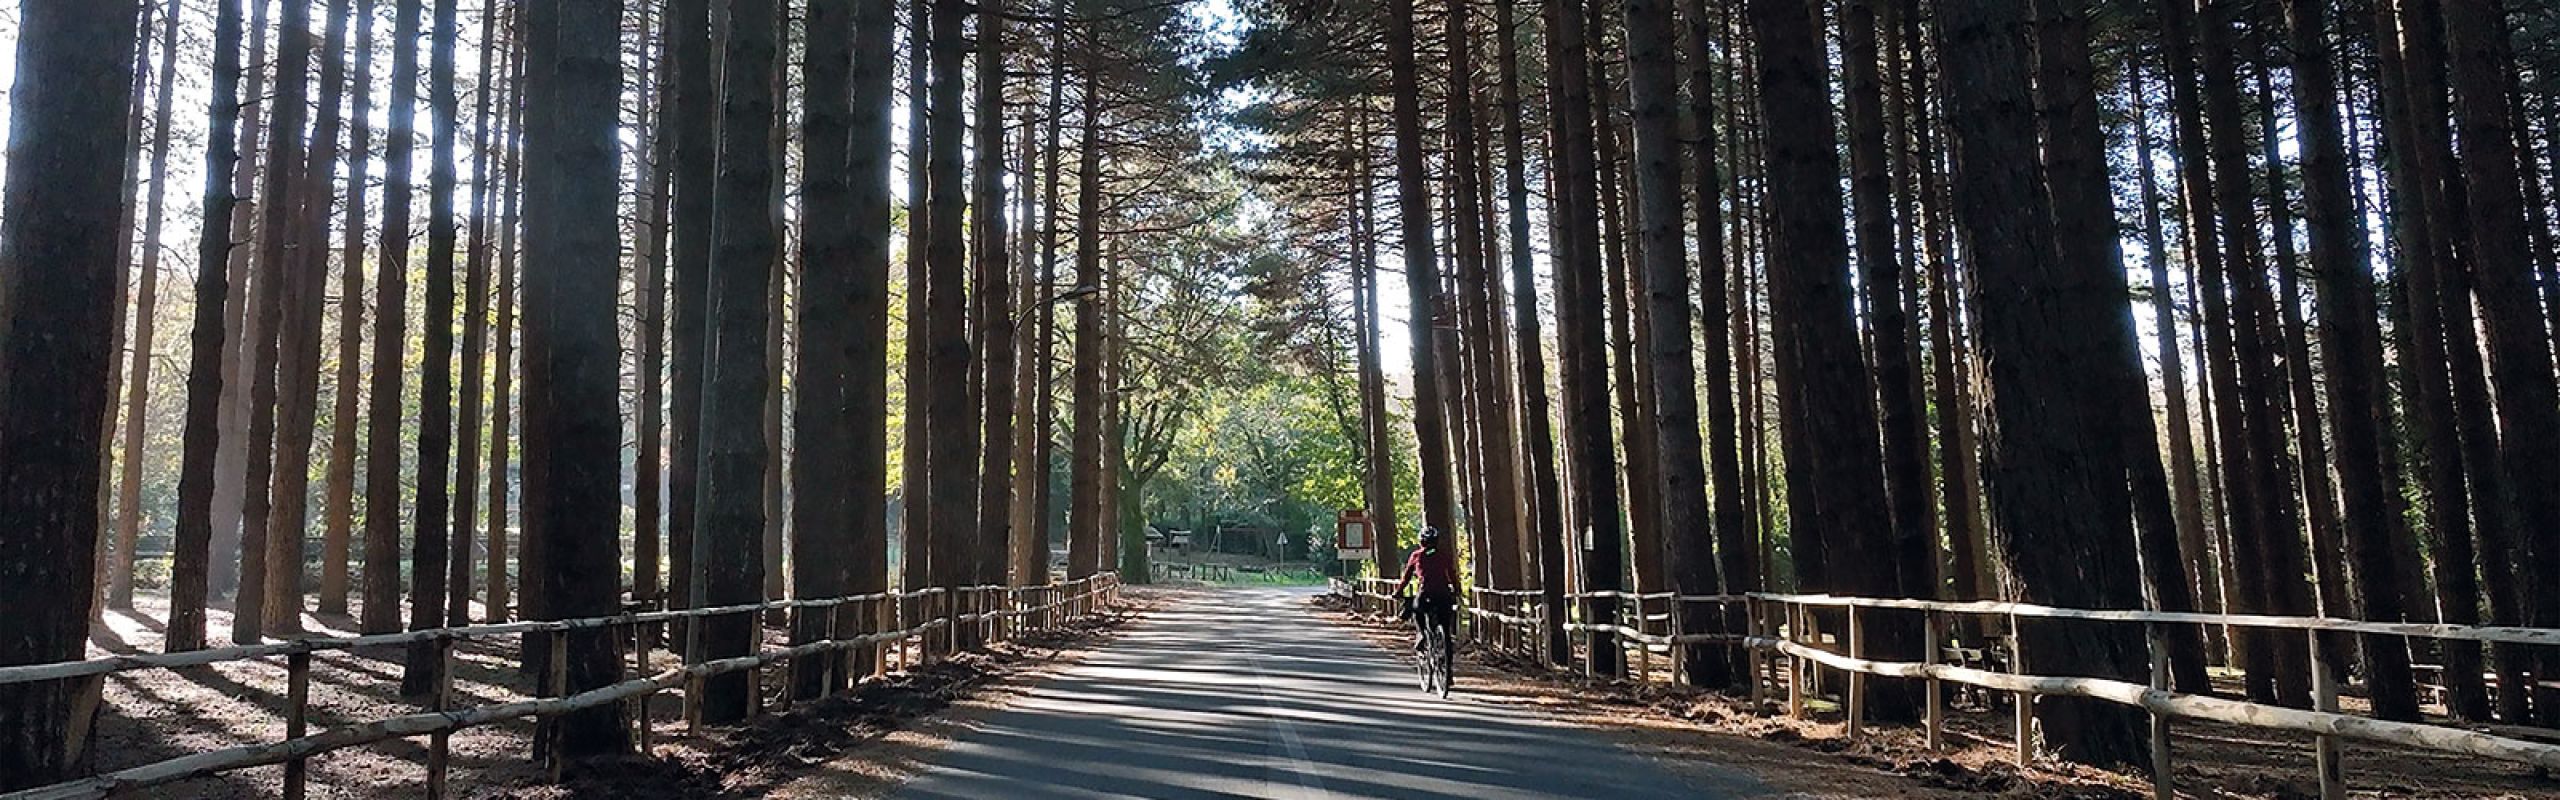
(2351, 350)
(1413, 201)
(2528, 402)
(57, 284)
(995, 290)
(730, 519)
(192, 543)
(433, 546)
(572, 237)
(231, 470)
(1085, 462)
(866, 553)
(1545, 523)
(128, 532)
(2083, 204)
(2058, 496)
(278, 285)
(1581, 324)
(696, 139)
(390, 338)
(951, 416)
(1835, 479)
(822, 516)
(2426, 377)
(916, 535)
(475, 343)
(338, 527)
(1653, 74)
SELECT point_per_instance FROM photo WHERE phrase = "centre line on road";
(1287, 732)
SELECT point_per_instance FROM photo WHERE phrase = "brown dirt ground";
(1813, 758)
(158, 714)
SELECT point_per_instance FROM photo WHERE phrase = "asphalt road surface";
(1247, 694)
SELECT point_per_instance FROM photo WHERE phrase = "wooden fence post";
(1795, 664)
(1857, 678)
(1936, 631)
(2025, 701)
(1644, 651)
(755, 675)
(1812, 617)
(2163, 783)
(441, 744)
(557, 686)
(297, 719)
(1755, 626)
(1679, 652)
(2324, 696)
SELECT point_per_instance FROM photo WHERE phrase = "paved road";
(1246, 694)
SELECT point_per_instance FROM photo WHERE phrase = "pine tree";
(57, 212)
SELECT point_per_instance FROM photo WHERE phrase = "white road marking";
(1310, 783)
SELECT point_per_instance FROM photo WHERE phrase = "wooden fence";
(1784, 632)
(924, 622)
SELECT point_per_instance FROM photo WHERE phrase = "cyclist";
(1436, 567)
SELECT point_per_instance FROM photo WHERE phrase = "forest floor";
(1813, 758)
(158, 714)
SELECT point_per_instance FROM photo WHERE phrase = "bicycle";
(1434, 664)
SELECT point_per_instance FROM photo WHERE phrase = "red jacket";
(1438, 570)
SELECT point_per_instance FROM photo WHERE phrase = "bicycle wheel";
(1437, 661)
(1422, 658)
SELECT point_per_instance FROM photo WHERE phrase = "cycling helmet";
(1430, 535)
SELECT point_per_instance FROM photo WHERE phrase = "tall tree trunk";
(1906, 444)
(2528, 401)
(648, 479)
(2196, 557)
(1498, 563)
(573, 255)
(338, 527)
(2426, 378)
(916, 535)
(1413, 201)
(1545, 523)
(951, 417)
(288, 527)
(57, 284)
(2085, 228)
(1031, 538)
(696, 135)
(2057, 493)
(128, 216)
(231, 472)
(822, 513)
(146, 303)
(1085, 463)
(1634, 383)
(277, 286)
(1912, 543)
(191, 545)
(2351, 348)
(429, 551)
(1653, 74)
(475, 341)
(390, 338)
(1835, 478)
(730, 519)
(1581, 325)
(866, 553)
(995, 292)
(495, 606)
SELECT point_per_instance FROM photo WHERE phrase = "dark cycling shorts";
(1441, 606)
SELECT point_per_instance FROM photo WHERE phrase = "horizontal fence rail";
(1786, 628)
(995, 611)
